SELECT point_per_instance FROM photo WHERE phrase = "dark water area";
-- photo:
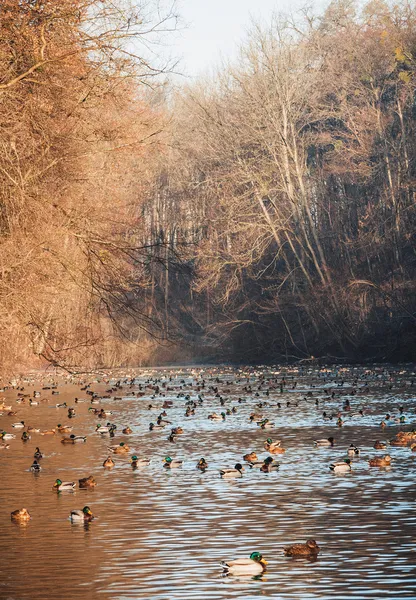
(162, 534)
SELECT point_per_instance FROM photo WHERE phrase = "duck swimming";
(325, 443)
(36, 468)
(379, 445)
(108, 463)
(21, 514)
(341, 467)
(310, 549)
(64, 486)
(87, 482)
(353, 450)
(170, 463)
(380, 461)
(269, 465)
(122, 448)
(202, 464)
(81, 516)
(232, 473)
(246, 566)
(139, 462)
(38, 455)
(251, 457)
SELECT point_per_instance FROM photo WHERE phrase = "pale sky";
(215, 28)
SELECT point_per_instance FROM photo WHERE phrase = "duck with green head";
(139, 462)
(63, 486)
(255, 565)
(122, 448)
(170, 463)
(81, 516)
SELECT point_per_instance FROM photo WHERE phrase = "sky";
(214, 28)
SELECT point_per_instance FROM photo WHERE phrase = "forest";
(263, 213)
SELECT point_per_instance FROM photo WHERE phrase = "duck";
(254, 565)
(73, 439)
(64, 486)
(153, 427)
(20, 514)
(310, 549)
(380, 461)
(87, 482)
(19, 425)
(413, 447)
(48, 432)
(341, 467)
(7, 436)
(122, 448)
(172, 463)
(4, 446)
(325, 443)
(270, 445)
(81, 516)
(202, 464)
(127, 431)
(266, 424)
(399, 441)
(38, 454)
(177, 431)
(379, 445)
(108, 463)
(139, 462)
(64, 428)
(252, 457)
(353, 450)
(36, 468)
(216, 417)
(63, 405)
(25, 436)
(32, 429)
(232, 473)
(103, 429)
(269, 465)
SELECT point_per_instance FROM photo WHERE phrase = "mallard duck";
(202, 464)
(87, 482)
(4, 446)
(122, 448)
(380, 461)
(108, 463)
(81, 516)
(353, 450)
(266, 424)
(379, 445)
(325, 443)
(25, 436)
(252, 457)
(153, 427)
(38, 455)
(269, 465)
(64, 428)
(270, 445)
(231, 473)
(177, 431)
(399, 442)
(35, 467)
(246, 566)
(127, 431)
(103, 429)
(340, 422)
(413, 447)
(341, 467)
(7, 436)
(48, 432)
(63, 405)
(32, 429)
(216, 417)
(311, 548)
(139, 462)
(33, 403)
(170, 463)
(19, 425)
(64, 486)
(20, 514)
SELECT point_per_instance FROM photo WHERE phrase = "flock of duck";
(208, 390)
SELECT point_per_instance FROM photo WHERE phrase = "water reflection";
(162, 533)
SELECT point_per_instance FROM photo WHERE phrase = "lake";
(162, 534)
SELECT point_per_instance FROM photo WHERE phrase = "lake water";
(162, 534)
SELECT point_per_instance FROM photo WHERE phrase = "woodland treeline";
(266, 212)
